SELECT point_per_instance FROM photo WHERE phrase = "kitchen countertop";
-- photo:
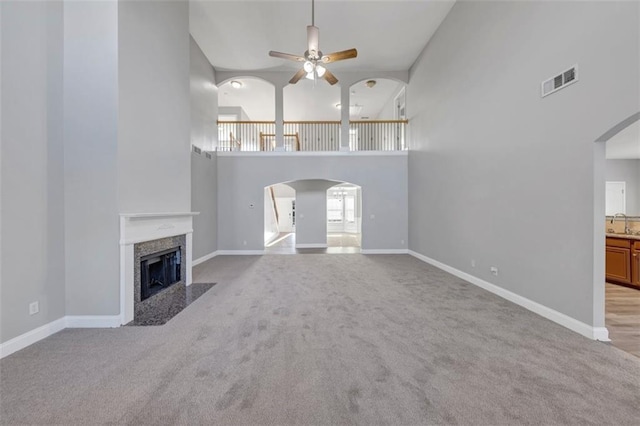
(624, 236)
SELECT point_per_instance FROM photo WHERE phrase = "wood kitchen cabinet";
(618, 261)
(635, 264)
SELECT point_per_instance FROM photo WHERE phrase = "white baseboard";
(93, 321)
(73, 321)
(595, 333)
(31, 337)
(240, 252)
(384, 251)
(204, 258)
(314, 245)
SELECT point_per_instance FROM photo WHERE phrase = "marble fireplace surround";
(142, 227)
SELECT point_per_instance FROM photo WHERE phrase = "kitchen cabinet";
(618, 261)
(635, 264)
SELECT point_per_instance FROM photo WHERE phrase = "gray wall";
(204, 134)
(204, 100)
(204, 196)
(154, 107)
(90, 157)
(383, 179)
(626, 171)
(311, 211)
(493, 167)
(32, 222)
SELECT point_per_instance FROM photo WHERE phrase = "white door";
(615, 201)
(285, 213)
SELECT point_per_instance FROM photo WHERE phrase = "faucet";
(626, 222)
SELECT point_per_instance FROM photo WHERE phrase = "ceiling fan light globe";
(320, 70)
(308, 66)
(310, 75)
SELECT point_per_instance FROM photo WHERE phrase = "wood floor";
(337, 243)
(622, 317)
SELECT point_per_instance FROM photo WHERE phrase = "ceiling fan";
(313, 58)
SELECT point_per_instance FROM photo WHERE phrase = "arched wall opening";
(377, 109)
(242, 100)
(377, 99)
(603, 229)
(344, 216)
(317, 214)
(279, 216)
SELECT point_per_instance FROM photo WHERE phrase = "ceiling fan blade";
(297, 76)
(328, 75)
(312, 39)
(287, 56)
(339, 56)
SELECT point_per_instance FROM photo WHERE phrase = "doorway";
(619, 175)
(279, 218)
(344, 217)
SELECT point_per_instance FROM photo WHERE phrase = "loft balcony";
(318, 136)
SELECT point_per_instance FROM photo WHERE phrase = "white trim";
(311, 153)
(149, 215)
(595, 333)
(93, 321)
(31, 337)
(158, 236)
(204, 258)
(240, 252)
(312, 245)
(601, 334)
(69, 321)
(384, 251)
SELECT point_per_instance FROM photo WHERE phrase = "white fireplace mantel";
(140, 227)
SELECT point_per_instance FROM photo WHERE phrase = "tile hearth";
(174, 300)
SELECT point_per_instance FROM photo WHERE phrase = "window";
(334, 210)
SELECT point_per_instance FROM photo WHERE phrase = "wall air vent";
(196, 149)
(560, 81)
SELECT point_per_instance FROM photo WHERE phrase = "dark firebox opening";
(158, 271)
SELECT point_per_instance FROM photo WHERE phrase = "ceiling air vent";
(560, 81)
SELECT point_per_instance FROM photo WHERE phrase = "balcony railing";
(381, 135)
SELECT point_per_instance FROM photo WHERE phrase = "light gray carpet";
(326, 339)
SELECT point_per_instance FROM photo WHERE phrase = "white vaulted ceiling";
(389, 35)
(237, 35)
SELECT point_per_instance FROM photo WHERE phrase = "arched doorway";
(279, 218)
(344, 218)
(312, 216)
(616, 269)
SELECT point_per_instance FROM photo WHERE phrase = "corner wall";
(204, 199)
(90, 157)
(154, 167)
(497, 173)
(32, 180)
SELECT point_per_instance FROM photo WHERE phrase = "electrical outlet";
(34, 308)
(402, 242)
(473, 263)
(494, 270)
(244, 243)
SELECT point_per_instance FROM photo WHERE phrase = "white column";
(279, 117)
(344, 117)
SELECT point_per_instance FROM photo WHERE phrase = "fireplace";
(148, 236)
(159, 271)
